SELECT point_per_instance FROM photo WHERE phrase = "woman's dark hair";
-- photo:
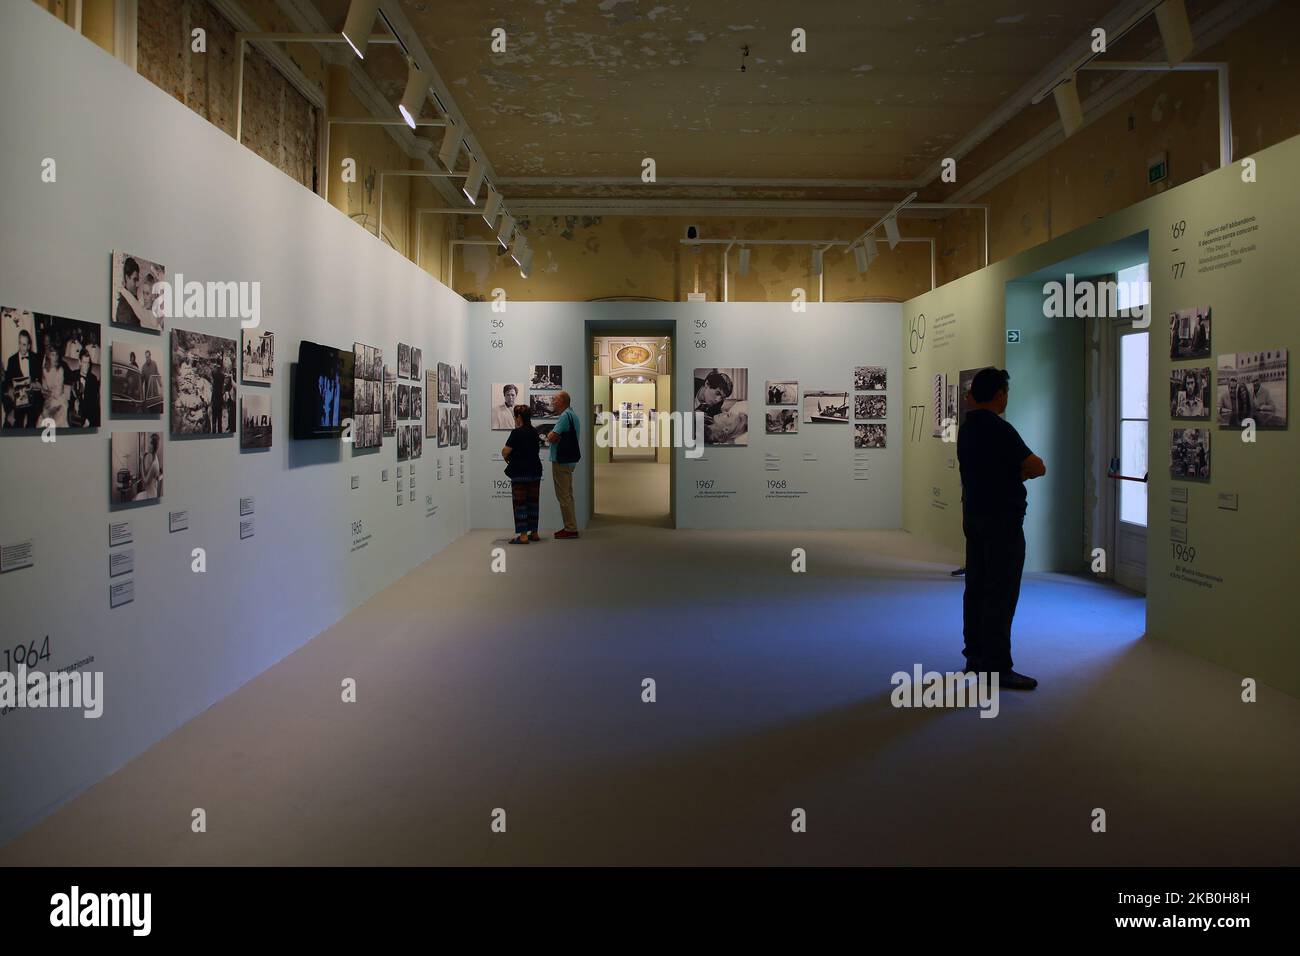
(525, 414)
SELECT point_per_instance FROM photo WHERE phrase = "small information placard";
(356, 482)
(1178, 513)
(1227, 502)
(1178, 493)
(245, 506)
(178, 521)
(121, 562)
(245, 528)
(20, 554)
(119, 533)
(119, 594)
(383, 475)
(1178, 533)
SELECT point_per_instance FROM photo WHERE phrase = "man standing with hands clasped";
(995, 464)
(565, 455)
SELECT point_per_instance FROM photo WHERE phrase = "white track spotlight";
(891, 231)
(869, 244)
(1068, 105)
(817, 261)
(417, 86)
(526, 262)
(506, 231)
(450, 148)
(492, 208)
(473, 181)
(860, 254)
(744, 260)
(356, 29)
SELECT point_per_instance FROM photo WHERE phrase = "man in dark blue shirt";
(995, 464)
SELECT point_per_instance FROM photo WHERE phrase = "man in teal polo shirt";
(565, 456)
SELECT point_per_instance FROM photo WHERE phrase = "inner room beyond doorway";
(631, 395)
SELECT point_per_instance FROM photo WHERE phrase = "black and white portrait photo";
(722, 396)
(1252, 385)
(825, 407)
(415, 441)
(444, 422)
(51, 369)
(782, 421)
(135, 302)
(869, 378)
(444, 383)
(783, 393)
(135, 384)
(417, 403)
(203, 392)
(1189, 333)
(367, 396)
(257, 357)
(255, 412)
(403, 360)
(455, 387)
(505, 396)
(464, 435)
(544, 377)
(1189, 453)
(869, 436)
(868, 406)
(135, 469)
(403, 442)
(390, 402)
(403, 402)
(415, 363)
(1189, 392)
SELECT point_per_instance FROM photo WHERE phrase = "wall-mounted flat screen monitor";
(322, 393)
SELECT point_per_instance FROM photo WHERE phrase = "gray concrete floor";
(773, 693)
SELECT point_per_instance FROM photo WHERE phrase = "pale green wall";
(600, 396)
(1245, 620)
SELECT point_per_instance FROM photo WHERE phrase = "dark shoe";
(518, 540)
(960, 572)
(534, 536)
(565, 534)
(1013, 681)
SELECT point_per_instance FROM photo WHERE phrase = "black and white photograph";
(783, 421)
(417, 403)
(443, 422)
(453, 426)
(135, 470)
(964, 379)
(203, 391)
(403, 442)
(546, 377)
(52, 371)
(950, 402)
(403, 402)
(415, 367)
(322, 391)
(135, 387)
(1189, 392)
(1189, 453)
(505, 396)
(455, 387)
(403, 360)
(1189, 333)
(430, 407)
(869, 436)
(444, 383)
(868, 406)
(464, 435)
(367, 396)
(255, 431)
(135, 303)
(416, 441)
(1252, 385)
(390, 401)
(257, 357)
(869, 378)
(783, 393)
(825, 407)
(938, 402)
(464, 405)
(722, 396)
(543, 407)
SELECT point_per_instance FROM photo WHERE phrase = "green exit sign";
(1013, 336)
(1157, 168)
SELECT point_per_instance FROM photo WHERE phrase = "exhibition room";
(623, 434)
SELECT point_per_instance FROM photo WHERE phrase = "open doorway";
(1078, 350)
(631, 401)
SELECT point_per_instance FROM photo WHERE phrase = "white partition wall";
(813, 478)
(137, 171)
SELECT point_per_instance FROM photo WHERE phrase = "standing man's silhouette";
(995, 463)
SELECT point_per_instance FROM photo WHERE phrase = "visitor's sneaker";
(1013, 681)
(566, 534)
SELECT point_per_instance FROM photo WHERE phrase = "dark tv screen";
(322, 398)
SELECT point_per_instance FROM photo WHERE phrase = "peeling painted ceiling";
(590, 88)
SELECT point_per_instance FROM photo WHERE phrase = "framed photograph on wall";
(52, 370)
(722, 396)
(1189, 454)
(257, 357)
(1252, 385)
(505, 396)
(256, 414)
(869, 435)
(138, 302)
(135, 386)
(784, 392)
(135, 468)
(546, 377)
(868, 406)
(782, 421)
(203, 390)
(1189, 333)
(825, 407)
(869, 378)
(390, 401)
(431, 407)
(403, 360)
(1189, 392)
